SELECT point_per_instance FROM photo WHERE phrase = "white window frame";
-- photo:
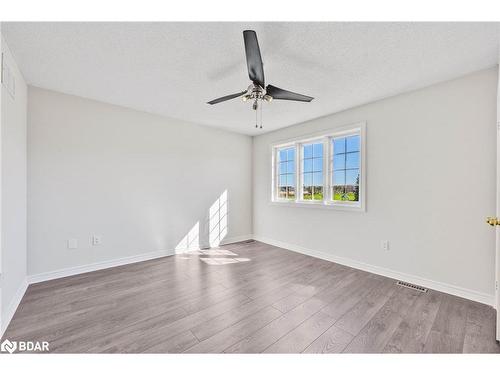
(276, 174)
(326, 137)
(299, 146)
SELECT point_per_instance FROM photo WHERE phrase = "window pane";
(312, 171)
(318, 179)
(282, 155)
(352, 160)
(282, 181)
(352, 177)
(308, 151)
(339, 193)
(307, 192)
(308, 177)
(339, 145)
(318, 150)
(339, 177)
(317, 164)
(282, 168)
(352, 143)
(307, 165)
(282, 192)
(347, 193)
(286, 173)
(339, 161)
(317, 193)
(352, 193)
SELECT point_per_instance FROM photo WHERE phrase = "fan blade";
(227, 97)
(281, 94)
(254, 59)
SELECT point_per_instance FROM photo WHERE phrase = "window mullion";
(332, 153)
(345, 166)
(325, 170)
(298, 172)
(276, 173)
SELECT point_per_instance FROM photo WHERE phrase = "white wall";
(140, 181)
(431, 176)
(13, 192)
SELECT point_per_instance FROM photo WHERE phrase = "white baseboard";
(245, 237)
(12, 307)
(71, 271)
(431, 284)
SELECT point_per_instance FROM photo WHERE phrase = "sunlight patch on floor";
(222, 261)
(217, 252)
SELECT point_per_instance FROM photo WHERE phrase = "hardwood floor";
(247, 298)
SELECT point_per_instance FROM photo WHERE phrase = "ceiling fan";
(258, 91)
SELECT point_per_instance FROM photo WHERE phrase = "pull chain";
(256, 121)
(261, 115)
(257, 108)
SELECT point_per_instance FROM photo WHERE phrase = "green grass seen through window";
(344, 197)
(317, 196)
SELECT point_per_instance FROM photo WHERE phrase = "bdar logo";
(24, 346)
(8, 346)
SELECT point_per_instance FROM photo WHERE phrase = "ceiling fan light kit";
(258, 91)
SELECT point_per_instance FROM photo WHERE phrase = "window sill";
(320, 205)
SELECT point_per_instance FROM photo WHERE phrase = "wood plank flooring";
(247, 298)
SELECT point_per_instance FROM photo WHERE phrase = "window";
(286, 173)
(312, 171)
(322, 170)
(346, 168)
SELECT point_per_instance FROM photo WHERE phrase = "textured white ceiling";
(173, 69)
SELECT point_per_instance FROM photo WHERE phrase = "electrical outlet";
(384, 244)
(72, 243)
(96, 240)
